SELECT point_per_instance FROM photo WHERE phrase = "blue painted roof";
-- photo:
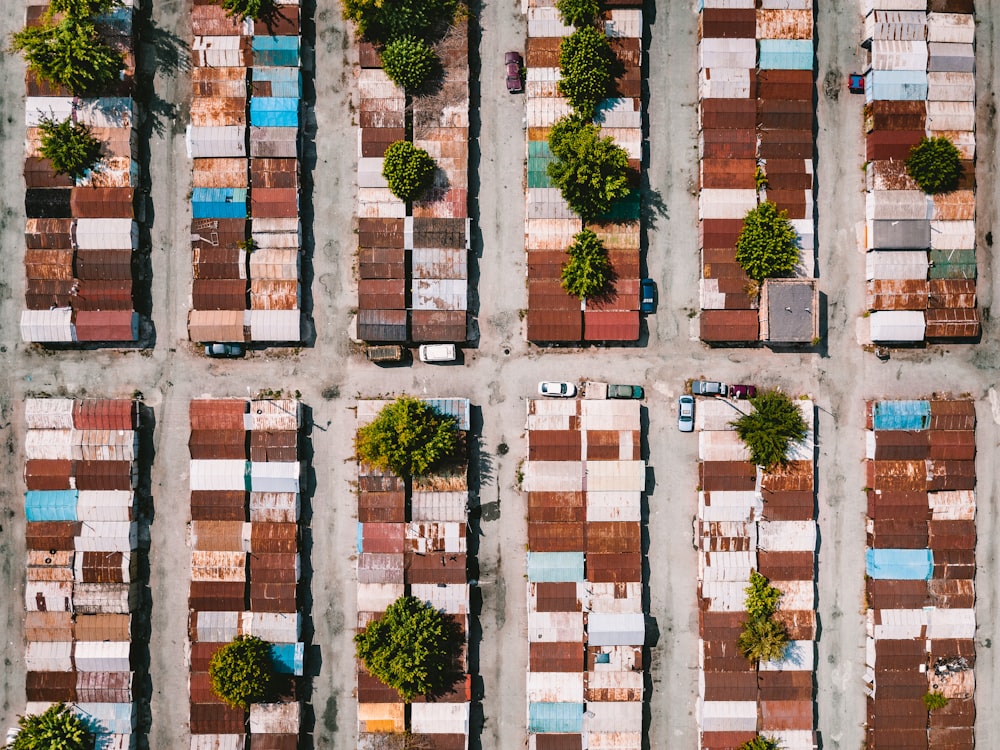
(51, 505)
(555, 567)
(287, 657)
(280, 51)
(899, 564)
(785, 54)
(901, 415)
(219, 203)
(285, 82)
(274, 112)
(452, 407)
(555, 717)
(896, 85)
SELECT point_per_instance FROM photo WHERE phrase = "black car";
(224, 350)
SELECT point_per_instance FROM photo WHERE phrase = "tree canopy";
(578, 12)
(763, 638)
(588, 271)
(768, 246)
(585, 68)
(56, 728)
(80, 8)
(590, 171)
(71, 146)
(70, 53)
(761, 597)
(412, 648)
(760, 743)
(935, 700)
(408, 170)
(385, 20)
(241, 671)
(770, 428)
(244, 9)
(408, 437)
(409, 62)
(935, 164)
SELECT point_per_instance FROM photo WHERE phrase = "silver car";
(685, 413)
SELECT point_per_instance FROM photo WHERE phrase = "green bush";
(768, 246)
(385, 20)
(56, 728)
(79, 8)
(935, 700)
(590, 171)
(585, 69)
(409, 170)
(408, 437)
(588, 271)
(69, 53)
(770, 428)
(241, 671)
(71, 146)
(244, 9)
(763, 640)
(761, 597)
(578, 12)
(760, 743)
(412, 648)
(935, 164)
(409, 62)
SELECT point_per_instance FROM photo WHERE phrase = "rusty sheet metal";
(216, 718)
(729, 326)
(614, 568)
(952, 594)
(45, 474)
(219, 294)
(554, 325)
(724, 656)
(274, 203)
(219, 263)
(897, 294)
(51, 686)
(545, 265)
(895, 115)
(101, 567)
(217, 596)
(554, 597)
(435, 568)
(905, 504)
(438, 325)
(387, 233)
(220, 414)
(274, 173)
(217, 535)
(548, 294)
(722, 234)
(43, 294)
(279, 567)
(610, 325)
(219, 111)
(610, 445)
(786, 566)
(959, 445)
(897, 475)
(728, 114)
(38, 173)
(274, 294)
(381, 507)
(103, 475)
(897, 445)
(554, 445)
(789, 506)
(49, 535)
(556, 657)
(724, 740)
(274, 537)
(952, 535)
(952, 293)
(101, 295)
(961, 323)
(889, 175)
(49, 264)
(272, 597)
(606, 537)
(784, 23)
(382, 294)
(792, 476)
(217, 444)
(555, 537)
(897, 533)
(212, 20)
(728, 174)
(891, 144)
(274, 445)
(791, 85)
(381, 263)
(958, 205)
(218, 233)
(542, 52)
(727, 23)
(787, 715)
(220, 173)
(729, 686)
(382, 537)
(218, 506)
(726, 475)
(108, 265)
(42, 234)
(556, 506)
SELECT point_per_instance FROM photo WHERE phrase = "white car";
(559, 390)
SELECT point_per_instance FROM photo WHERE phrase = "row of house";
(553, 316)
(921, 249)
(82, 586)
(764, 521)
(413, 273)
(756, 123)
(412, 542)
(245, 476)
(243, 139)
(584, 478)
(920, 573)
(81, 234)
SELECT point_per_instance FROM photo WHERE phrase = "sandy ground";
(499, 375)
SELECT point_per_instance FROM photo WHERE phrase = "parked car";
(625, 391)
(224, 350)
(559, 390)
(647, 296)
(437, 352)
(685, 413)
(856, 83)
(742, 391)
(513, 62)
(709, 388)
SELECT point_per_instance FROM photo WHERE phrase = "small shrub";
(760, 743)
(409, 62)
(409, 170)
(244, 9)
(71, 146)
(762, 597)
(935, 700)
(763, 640)
(935, 164)
(578, 12)
(56, 728)
(588, 271)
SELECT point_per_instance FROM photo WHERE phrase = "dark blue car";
(647, 295)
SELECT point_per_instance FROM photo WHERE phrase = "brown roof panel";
(724, 740)
(382, 294)
(556, 657)
(895, 594)
(614, 568)
(381, 263)
(218, 506)
(103, 264)
(38, 173)
(901, 445)
(279, 445)
(786, 566)
(948, 293)
(274, 568)
(554, 445)
(217, 444)
(897, 294)
(608, 325)
(729, 326)
(555, 537)
(789, 506)
(727, 23)
(45, 474)
(219, 414)
(954, 738)
(273, 597)
(556, 597)
(548, 294)
(59, 687)
(217, 596)
(373, 690)
(274, 537)
(282, 21)
(47, 535)
(435, 568)
(730, 686)
(101, 203)
(891, 144)
(218, 263)
(610, 537)
(91, 295)
(381, 507)
(556, 506)
(787, 715)
(555, 325)
(219, 294)
(274, 203)
(721, 233)
(103, 475)
(216, 718)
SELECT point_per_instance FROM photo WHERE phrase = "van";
(437, 352)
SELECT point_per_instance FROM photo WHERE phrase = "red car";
(513, 62)
(742, 391)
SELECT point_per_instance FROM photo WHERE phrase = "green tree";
(588, 271)
(408, 170)
(762, 597)
(71, 146)
(68, 53)
(935, 164)
(768, 245)
(770, 428)
(80, 8)
(241, 671)
(578, 12)
(244, 9)
(56, 728)
(760, 743)
(935, 700)
(408, 437)
(409, 62)
(763, 640)
(385, 20)
(412, 648)
(590, 171)
(585, 69)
